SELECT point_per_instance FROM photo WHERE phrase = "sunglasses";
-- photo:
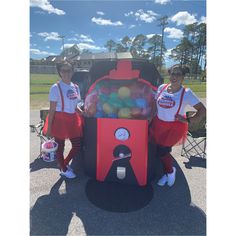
(66, 70)
(176, 74)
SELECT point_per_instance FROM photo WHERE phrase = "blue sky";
(90, 24)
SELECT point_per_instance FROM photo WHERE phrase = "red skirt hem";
(65, 125)
(168, 134)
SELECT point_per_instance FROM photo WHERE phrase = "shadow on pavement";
(195, 162)
(118, 197)
(39, 163)
(154, 210)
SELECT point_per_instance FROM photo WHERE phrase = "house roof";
(104, 56)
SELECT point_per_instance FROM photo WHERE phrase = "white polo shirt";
(168, 103)
(71, 95)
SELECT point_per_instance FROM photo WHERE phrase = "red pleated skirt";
(65, 125)
(168, 134)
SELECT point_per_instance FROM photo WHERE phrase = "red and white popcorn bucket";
(49, 148)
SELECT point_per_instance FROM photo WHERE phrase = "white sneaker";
(68, 174)
(171, 177)
(163, 180)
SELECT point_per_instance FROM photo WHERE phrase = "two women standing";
(169, 126)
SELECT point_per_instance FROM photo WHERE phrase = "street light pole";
(62, 38)
(163, 23)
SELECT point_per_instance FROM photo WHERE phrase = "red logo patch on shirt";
(166, 102)
(72, 94)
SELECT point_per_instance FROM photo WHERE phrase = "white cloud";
(81, 38)
(100, 13)
(38, 52)
(88, 46)
(174, 33)
(129, 13)
(84, 46)
(101, 21)
(202, 19)
(168, 52)
(86, 38)
(162, 2)
(73, 39)
(148, 16)
(46, 6)
(131, 26)
(149, 35)
(50, 36)
(183, 18)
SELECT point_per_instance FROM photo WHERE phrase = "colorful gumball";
(107, 108)
(129, 102)
(99, 106)
(116, 103)
(123, 92)
(99, 114)
(141, 102)
(113, 95)
(103, 98)
(112, 115)
(124, 113)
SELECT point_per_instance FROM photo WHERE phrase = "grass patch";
(38, 101)
(46, 79)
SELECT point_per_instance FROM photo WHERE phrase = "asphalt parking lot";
(83, 206)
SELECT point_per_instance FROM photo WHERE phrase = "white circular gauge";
(122, 134)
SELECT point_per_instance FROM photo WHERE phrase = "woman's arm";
(200, 113)
(196, 117)
(51, 113)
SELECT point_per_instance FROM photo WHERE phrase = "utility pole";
(163, 23)
(62, 38)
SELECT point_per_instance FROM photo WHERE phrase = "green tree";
(182, 52)
(137, 48)
(120, 48)
(126, 43)
(154, 48)
(192, 48)
(110, 45)
(163, 23)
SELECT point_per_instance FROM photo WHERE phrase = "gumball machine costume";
(118, 106)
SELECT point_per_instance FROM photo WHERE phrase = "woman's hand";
(180, 118)
(80, 111)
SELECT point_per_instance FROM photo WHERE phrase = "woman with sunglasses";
(170, 125)
(64, 121)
